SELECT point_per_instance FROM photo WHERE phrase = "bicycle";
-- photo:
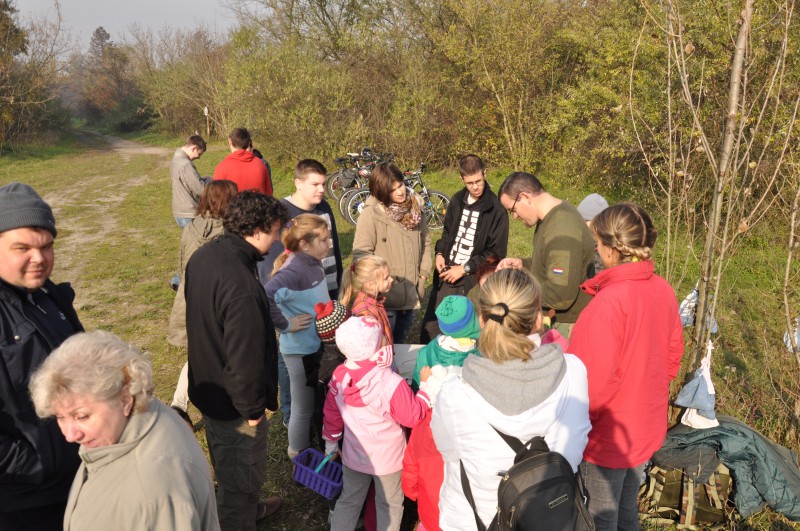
(354, 172)
(434, 205)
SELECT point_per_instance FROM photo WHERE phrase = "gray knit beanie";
(592, 205)
(21, 206)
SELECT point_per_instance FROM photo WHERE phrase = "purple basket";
(328, 482)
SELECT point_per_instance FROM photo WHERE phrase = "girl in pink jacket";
(367, 405)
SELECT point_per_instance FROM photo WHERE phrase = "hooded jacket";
(233, 364)
(407, 251)
(546, 395)
(295, 289)
(631, 340)
(443, 350)
(155, 477)
(373, 404)
(36, 463)
(246, 170)
(195, 235)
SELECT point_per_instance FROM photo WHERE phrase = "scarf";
(408, 214)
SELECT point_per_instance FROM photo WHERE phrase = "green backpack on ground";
(669, 496)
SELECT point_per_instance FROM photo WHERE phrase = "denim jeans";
(284, 390)
(302, 404)
(401, 321)
(239, 456)
(612, 496)
(182, 222)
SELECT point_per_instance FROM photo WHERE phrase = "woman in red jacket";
(631, 341)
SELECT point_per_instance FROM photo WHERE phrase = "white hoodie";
(462, 431)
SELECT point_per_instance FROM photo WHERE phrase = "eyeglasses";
(474, 184)
(513, 209)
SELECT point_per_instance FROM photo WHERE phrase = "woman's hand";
(510, 263)
(299, 322)
(424, 374)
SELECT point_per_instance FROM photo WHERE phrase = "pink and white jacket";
(368, 404)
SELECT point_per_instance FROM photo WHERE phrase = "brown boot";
(268, 507)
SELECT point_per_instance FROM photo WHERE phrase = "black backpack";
(539, 492)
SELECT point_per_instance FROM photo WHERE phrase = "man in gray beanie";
(37, 465)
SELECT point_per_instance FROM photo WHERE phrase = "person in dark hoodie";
(475, 226)
(37, 465)
(242, 167)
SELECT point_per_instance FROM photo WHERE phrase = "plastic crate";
(328, 482)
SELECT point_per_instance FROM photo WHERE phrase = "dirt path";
(86, 210)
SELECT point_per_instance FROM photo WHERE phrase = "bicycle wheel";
(435, 208)
(344, 198)
(355, 205)
(340, 180)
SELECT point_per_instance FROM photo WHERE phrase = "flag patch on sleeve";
(558, 271)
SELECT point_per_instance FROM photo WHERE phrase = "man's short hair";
(240, 138)
(306, 167)
(519, 182)
(252, 210)
(196, 141)
(470, 165)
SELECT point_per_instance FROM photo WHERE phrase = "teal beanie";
(457, 317)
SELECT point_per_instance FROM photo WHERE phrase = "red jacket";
(246, 170)
(631, 340)
(423, 473)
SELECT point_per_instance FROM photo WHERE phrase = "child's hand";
(299, 322)
(425, 373)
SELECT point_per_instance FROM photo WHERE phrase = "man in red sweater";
(242, 167)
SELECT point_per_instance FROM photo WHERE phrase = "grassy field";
(117, 245)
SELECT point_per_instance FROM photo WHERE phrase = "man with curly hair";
(233, 368)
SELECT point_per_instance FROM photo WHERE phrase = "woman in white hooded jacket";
(518, 385)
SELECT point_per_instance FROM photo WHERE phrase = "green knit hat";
(457, 317)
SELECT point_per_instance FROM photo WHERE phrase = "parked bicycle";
(354, 172)
(434, 205)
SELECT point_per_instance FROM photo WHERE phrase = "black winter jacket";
(233, 364)
(37, 465)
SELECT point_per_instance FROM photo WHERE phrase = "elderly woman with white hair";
(141, 466)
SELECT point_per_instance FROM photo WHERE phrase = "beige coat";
(156, 477)
(408, 253)
(195, 235)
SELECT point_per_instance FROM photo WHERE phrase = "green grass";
(118, 245)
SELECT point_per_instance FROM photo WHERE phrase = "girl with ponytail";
(297, 285)
(519, 386)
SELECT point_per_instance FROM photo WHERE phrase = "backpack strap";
(468, 494)
(537, 444)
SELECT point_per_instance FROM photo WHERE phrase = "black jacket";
(37, 465)
(492, 233)
(233, 364)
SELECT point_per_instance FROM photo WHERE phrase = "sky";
(82, 17)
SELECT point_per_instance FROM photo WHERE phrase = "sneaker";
(268, 507)
(185, 416)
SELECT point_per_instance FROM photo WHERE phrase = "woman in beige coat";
(393, 226)
(206, 226)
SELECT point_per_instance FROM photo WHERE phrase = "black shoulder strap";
(468, 494)
(536, 443)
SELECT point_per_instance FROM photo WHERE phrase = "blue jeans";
(284, 390)
(401, 321)
(612, 496)
(182, 222)
(302, 404)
